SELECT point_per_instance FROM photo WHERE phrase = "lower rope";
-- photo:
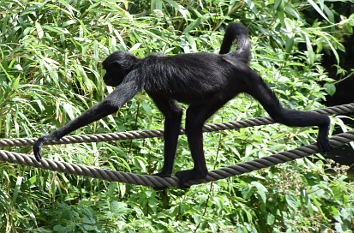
(158, 182)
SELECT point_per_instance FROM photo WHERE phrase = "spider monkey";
(204, 81)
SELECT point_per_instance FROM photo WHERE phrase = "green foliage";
(50, 71)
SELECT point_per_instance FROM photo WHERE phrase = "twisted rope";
(345, 108)
(158, 182)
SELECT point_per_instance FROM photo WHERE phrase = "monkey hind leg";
(194, 125)
(303, 119)
(261, 92)
(195, 118)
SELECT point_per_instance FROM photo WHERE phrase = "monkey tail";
(233, 31)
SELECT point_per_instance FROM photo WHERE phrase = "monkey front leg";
(93, 114)
(109, 105)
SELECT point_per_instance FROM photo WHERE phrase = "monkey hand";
(39, 143)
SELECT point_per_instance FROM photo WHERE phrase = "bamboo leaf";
(310, 52)
(156, 5)
(318, 9)
(39, 30)
(179, 8)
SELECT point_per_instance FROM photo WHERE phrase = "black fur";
(232, 32)
(205, 81)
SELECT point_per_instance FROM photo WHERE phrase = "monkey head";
(117, 66)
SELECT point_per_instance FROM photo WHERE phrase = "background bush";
(50, 71)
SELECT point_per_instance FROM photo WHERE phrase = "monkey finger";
(37, 154)
(37, 149)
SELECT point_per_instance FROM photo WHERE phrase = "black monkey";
(205, 81)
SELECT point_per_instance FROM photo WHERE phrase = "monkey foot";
(324, 145)
(163, 174)
(187, 175)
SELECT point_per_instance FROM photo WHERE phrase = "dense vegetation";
(50, 71)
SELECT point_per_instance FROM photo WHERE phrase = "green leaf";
(193, 25)
(310, 52)
(289, 44)
(291, 200)
(334, 51)
(8, 123)
(39, 30)
(247, 191)
(330, 88)
(119, 208)
(261, 190)
(329, 13)
(60, 228)
(277, 4)
(69, 22)
(17, 188)
(317, 8)
(252, 6)
(156, 5)
(68, 108)
(270, 219)
(185, 13)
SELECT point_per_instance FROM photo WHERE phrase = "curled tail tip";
(237, 28)
(236, 31)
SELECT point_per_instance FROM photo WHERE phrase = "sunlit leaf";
(330, 88)
(39, 30)
(318, 9)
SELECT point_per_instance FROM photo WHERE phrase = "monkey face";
(117, 66)
(114, 76)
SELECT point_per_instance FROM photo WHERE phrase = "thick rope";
(340, 109)
(158, 182)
